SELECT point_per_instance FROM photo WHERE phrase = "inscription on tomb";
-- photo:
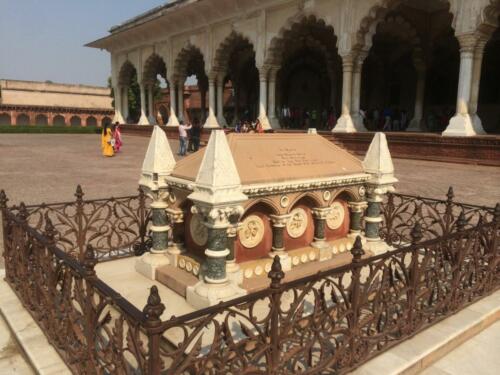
(291, 157)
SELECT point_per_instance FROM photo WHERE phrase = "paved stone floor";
(46, 168)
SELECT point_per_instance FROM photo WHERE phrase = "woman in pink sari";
(117, 135)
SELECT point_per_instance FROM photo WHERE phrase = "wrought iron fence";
(327, 323)
(115, 227)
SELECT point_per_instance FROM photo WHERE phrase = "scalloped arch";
(273, 208)
(490, 15)
(377, 13)
(153, 66)
(275, 49)
(318, 202)
(126, 71)
(226, 48)
(183, 57)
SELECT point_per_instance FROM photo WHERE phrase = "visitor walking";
(195, 136)
(107, 141)
(117, 136)
(183, 138)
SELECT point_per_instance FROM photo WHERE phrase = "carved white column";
(416, 122)
(220, 101)
(211, 121)
(124, 101)
(180, 99)
(345, 124)
(151, 107)
(273, 120)
(263, 98)
(118, 104)
(461, 125)
(476, 79)
(143, 120)
(172, 120)
(357, 119)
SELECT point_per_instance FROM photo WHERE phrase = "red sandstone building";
(54, 104)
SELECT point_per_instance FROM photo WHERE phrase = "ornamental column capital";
(280, 221)
(175, 215)
(218, 216)
(357, 206)
(467, 42)
(322, 213)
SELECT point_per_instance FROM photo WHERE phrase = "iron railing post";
(357, 253)
(152, 311)
(3, 223)
(276, 275)
(139, 250)
(80, 238)
(416, 236)
(448, 218)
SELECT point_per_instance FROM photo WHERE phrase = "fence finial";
(276, 274)
(89, 261)
(461, 222)
(496, 213)
(3, 199)
(480, 221)
(49, 230)
(416, 233)
(154, 308)
(357, 250)
(23, 212)
(79, 193)
(450, 195)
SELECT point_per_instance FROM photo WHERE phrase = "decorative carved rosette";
(252, 231)
(336, 217)
(297, 224)
(198, 231)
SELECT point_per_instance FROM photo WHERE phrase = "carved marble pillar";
(125, 109)
(118, 105)
(264, 120)
(356, 210)
(151, 110)
(232, 268)
(172, 120)
(211, 121)
(344, 123)
(320, 215)
(273, 120)
(461, 125)
(418, 115)
(372, 215)
(143, 120)
(180, 99)
(158, 255)
(203, 103)
(177, 221)
(278, 247)
(220, 101)
(476, 79)
(357, 119)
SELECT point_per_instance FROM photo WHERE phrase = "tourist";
(117, 136)
(258, 127)
(332, 120)
(183, 138)
(107, 141)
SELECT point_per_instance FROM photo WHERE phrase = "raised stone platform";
(483, 150)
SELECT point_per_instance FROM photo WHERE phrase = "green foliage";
(134, 99)
(37, 129)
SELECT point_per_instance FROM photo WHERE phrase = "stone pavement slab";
(40, 354)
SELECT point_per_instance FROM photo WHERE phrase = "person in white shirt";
(183, 138)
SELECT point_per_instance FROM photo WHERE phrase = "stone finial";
(158, 162)
(79, 193)
(450, 194)
(154, 307)
(378, 161)
(218, 181)
(357, 250)
(276, 274)
(49, 230)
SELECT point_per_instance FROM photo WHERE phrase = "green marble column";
(160, 227)
(372, 217)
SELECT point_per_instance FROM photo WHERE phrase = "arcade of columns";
(271, 29)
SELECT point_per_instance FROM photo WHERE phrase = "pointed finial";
(23, 212)
(461, 222)
(480, 221)
(3, 199)
(49, 230)
(154, 308)
(89, 261)
(416, 233)
(276, 274)
(79, 193)
(357, 250)
(450, 195)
